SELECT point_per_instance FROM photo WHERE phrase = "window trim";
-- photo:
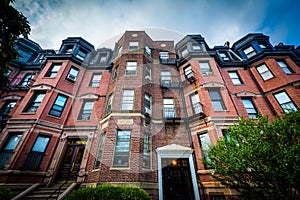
(115, 74)
(249, 51)
(252, 115)
(219, 99)
(204, 149)
(50, 71)
(148, 147)
(97, 82)
(33, 100)
(148, 73)
(146, 109)
(60, 106)
(196, 105)
(284, 66)
(72, 79)
(129, 103)
(123, 152)
(133, 47)
(130, 72)
(84, 111)
(102, 139)
(171, 107)
(233, 79)
(262, 73)
(209, 72)
(285, 103)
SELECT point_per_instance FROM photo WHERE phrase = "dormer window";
(263, 46)
(68, 49)
(224, 56)
(103, 57)
(184, 53)
(81, 54)
(249, 52)
(196, 47)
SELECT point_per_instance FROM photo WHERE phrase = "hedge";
(110, 192)
(5, 192)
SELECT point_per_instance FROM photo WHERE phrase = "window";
(148, 73)
(224, 56)
(115, 73)
(284, 67)
(217, 197)
(73, 73)
(205, 67)
(216, 99)
(109, 103)
(81, 54)
(95, 82)
(165, 77)
(27, 79)
(7, 107)
(53, 70)
(163, 55)
(169, 108)
(184, 53)
(37, 153)
(205, 145)
(196, 105)
(235, 78)
(147, 151)
(285, 102)
(264, 72)
(8, 72)
(133, 46)
(68, 49)
(147, 103)
(8, 149)
(86, 110)
(103, 57)
(263, 46)
(147, 51)
(100, 149)
(131, 68)
(127, 100)
(188, 72)
(58, 106)
(250, 108)
(120, 51)
(35, 102)
(196, 46)
(122, 150)
(249, 52)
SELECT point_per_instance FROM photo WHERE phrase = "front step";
(43, 193)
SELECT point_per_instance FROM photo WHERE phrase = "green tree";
(12, 25)
(260, 159)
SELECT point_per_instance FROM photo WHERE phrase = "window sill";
(96, 170)
(28, 113)
(119, 168)
(55, 117)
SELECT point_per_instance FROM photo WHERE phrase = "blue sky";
(101, 22)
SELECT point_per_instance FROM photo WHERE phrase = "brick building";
(142, 114)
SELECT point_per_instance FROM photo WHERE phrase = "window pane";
(205, 67)
(285, 102)
(264, 72)
(164, 55)
(216, 99)
(13, 141)
(60, 100)
(40, 144)
(250, 108)
(284, 67)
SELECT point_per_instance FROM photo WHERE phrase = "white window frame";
(127, 99)
(205, 67)
(264, 72)
(250, 108)
(249, 52)
(73, 74)
(131, 67)
(133, 46)
(235, 78)
(285, 102)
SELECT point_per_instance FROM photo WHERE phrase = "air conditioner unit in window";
(71, 77)
(148, 78)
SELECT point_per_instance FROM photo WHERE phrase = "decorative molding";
(245, 94)
(213, 84)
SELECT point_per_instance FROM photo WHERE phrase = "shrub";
(111, 192)
(5, 192)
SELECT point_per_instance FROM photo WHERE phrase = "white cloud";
(99, 21)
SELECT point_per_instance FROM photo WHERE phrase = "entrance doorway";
(72, 160)
(176, 178)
